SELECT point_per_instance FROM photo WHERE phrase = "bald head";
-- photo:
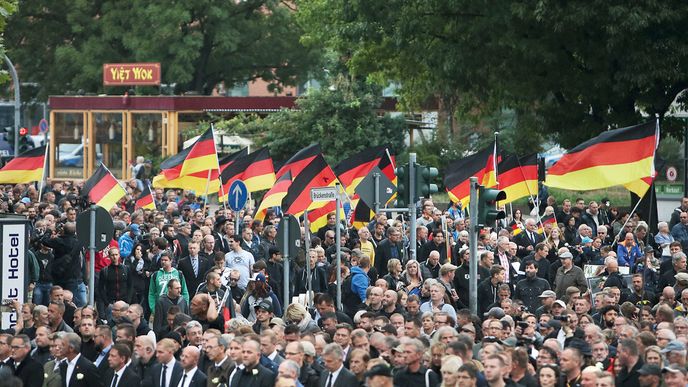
(189, 358)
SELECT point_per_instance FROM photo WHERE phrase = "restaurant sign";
(131, 74)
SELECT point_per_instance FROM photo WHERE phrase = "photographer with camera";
(67, 268)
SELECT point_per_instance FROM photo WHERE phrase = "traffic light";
(487, 202)
(402, 186)
(25, 143)
(424, 178)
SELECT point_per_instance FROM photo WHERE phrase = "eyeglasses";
(16, 346)
(292, 353)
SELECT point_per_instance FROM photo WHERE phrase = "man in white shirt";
(192, 377)
(239, 259)
(77, 371)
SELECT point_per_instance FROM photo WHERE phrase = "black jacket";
(246, 378)
(153, 375)
(129, 378)
(192, 281)
(115, 284)
(487, 295)
(30, 372)
(85, 374)
(66, 267)
(385, 251)
(529, 290)
(345, 378)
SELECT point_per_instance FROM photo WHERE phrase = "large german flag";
(481, 165)
(518, 177)
(255, 170)
(362, 214)
(228, 160)
(146, 199)
(351, 171)
(194, 182)
(199, 157)
(298, 198)
(273, 198)
(616, 157)
(299, 161)
(25, 168)
(103, 189)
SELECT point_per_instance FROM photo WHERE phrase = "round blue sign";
(237, 195)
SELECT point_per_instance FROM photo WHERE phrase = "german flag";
(298, 198)
(25, 168)
(518, 177)
(228, 160)
(273, 198)
(103, 189)
(146, 199)
(351, 171)
(194, 182)
(362, 214)
(516, 229)
(199, 157)
(616, 157)
(480, 164)
(299, 161)
(547, 219)
(255, 170)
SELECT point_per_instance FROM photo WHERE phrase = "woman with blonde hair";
(413, 278)
(298, 315)
(450, 370)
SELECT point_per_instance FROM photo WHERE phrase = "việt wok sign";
(131, 74)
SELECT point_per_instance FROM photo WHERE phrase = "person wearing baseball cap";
(569, 275)
(379, 375)
(547, 299)
(446, 278)
(649, 375)
(674, 375)
(264, 315)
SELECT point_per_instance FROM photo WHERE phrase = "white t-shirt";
(243, 262)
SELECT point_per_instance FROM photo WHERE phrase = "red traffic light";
(23, 131)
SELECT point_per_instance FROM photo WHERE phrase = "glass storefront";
(108, 131)
(68, 146)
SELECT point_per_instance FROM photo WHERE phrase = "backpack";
(351, 301)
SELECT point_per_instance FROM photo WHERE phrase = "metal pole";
(92, 253)
(376, 201)
(685, 161)
(473, 245)
(412, 206)
(285, 233)
(338, 251)
(307, 241)
(17, 103)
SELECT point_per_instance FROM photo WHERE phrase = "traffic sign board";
(323, 194)
(366, 188)
(237, 195)
(43, 126)
(293, 235)
(105, 228)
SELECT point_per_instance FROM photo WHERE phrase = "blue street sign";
(43, 126)
(237, 195)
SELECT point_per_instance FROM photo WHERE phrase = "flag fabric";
(254, 169)
(298, 198)
(229, 159)
(299, 161)
(516, 228)
(354, 169)
(273, 198)
(616, 157)
(194, 182)
(547, 219)
(518, 177)
(146, 199)
(480, 164)
(103, 189)
(25, 168)
(199, 157)
(362, 214)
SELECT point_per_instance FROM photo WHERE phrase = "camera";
(522, 324)
(562, 318)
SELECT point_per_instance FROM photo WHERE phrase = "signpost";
(327, 194)
(236, 198)
(94, 229)
(14, 264)
(289, 240)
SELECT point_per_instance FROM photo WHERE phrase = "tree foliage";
(568, 69)
(7, 7)
(343, 120)
(62, 45)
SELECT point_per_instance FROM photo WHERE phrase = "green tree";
(342, 118)
(7, 7)
(62, 45)
(568, 69)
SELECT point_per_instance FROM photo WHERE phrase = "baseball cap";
(586, 240)
(556, 324)
(566, 255)
(681, 277)
(447, 268)
(379, 370)
(650, 369)
(674, 346)
(399, 348)
(547, 294)
(649, 249)
(674, 368)
(258, 277)
(277, 321)
(560, 303)
(265, 305)
(495, 312)
(135, 229)
(308, 348)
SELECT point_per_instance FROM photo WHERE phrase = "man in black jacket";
(391, 247)
(66, 269)
(487, 290)
(119, 374)
(333, 357)
(82, 373)
(194, 267)
(252, 374)
(27, 369)
(529, 289)
(115, 282)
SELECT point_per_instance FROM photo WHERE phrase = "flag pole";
(43, 178)
(207, 188)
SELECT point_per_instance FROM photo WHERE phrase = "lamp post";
(17, 102)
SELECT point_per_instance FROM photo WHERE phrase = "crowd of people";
(190, 297)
